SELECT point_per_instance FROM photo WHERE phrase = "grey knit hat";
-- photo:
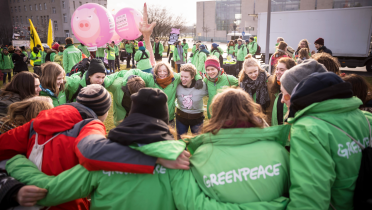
(95, 97)
(297, 73)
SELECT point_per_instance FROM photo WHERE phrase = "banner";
(50, 34)
(174, 35)
(34, 39)
(19, 43)
(92, 49)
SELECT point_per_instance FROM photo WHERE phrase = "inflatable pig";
(127, 22)
(92, 25)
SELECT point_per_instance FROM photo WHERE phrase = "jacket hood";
(141, 129)
(241, 136)
(61, 118)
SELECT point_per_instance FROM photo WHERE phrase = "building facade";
(40, 11)
(215, 19)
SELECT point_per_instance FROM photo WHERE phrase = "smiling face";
(280, 69)
(37, 86)
(97, 78)
(186, 78)
(286, 99)
(212, 72)
(317, 46)
(252, 72)
(163, 72)
(60, 80)
(303, 45)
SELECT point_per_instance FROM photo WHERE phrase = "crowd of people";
(290, 139)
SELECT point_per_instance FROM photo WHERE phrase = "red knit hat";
(212, 62)
(55, 46)
(319, 41)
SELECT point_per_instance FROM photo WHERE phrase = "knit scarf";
(259, 87)
(47, 91)
(165, 82)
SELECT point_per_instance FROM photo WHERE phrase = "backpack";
(82, 67)
(258, 52)
(123, 55)
(362, 192)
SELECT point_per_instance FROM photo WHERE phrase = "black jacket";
(19, 64)
(324, 49)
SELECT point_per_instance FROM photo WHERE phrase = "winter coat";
(57, 100)
(230, 50)
(195, 58)
(84, 49)
(252, 47)
(324, 161)
(6, 101)
(216, 53)
(6, 61)
(274, 59)
(19, 64)
(202, 57)
(241, 53)
(324, 49)
(161, 49)
(129, 48)
(143, 63)
(75, 123)
(71, 56)
(43, 55)
(100, 52)
(9, 188)
(53, 55)
(59, 59)
(193, 50)
(170, 90)
(36, 58)
(272, 110)
(110, 53)
(177, 57)
(223, 80)
(185, 47)
(116, 50)
(216, 156)
(220, 49)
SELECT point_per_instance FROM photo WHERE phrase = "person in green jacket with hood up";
(164, 189)
(216, 79)
(324, 160)
(142, 57)
(84, 48)
(6, 65)
(202, 57)
(185, 47)
(179, 55)
(240, 52)
(252, 46)
(71, 55)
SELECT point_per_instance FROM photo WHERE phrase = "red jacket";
(60, 154)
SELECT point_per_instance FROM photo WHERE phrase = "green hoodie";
(116, 50)
(43, 55)
(185, 47)
(129, 48)
(195, 58)
(84, 49)
(110, 53)
(100, 52)
(57, 100)
(176, 56)
(193, 50)
(241, 53)
(71, 56)
(325, 162)
(6, 61)
(144, 63)
(216, 53)
(252, 47)
(223, 81)
(202, 57)
(231, 50)
(220, 170)
(274, 115)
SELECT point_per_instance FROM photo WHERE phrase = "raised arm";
(146, 29)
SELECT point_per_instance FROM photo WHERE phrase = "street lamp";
(234, 27)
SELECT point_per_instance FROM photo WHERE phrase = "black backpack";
(220, 58)
(258, 52)
(362, 193)
(82, 67)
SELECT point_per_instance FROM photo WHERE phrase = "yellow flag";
(34, 39)
(50, 34)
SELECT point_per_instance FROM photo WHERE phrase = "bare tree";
(206, 29)
(165, 20)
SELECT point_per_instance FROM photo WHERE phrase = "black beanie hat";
(96, 66)
(95, 97)
(151, 102)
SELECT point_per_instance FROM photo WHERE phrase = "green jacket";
(75, 80)
(71, 56)
(195, 58)
(252, 47)
(43, 55)
(219, 165)
(59, 100)
(176, 56)
(110, 53)
(116, 50)
(33, 58)
(144, 63)
(100, 52)
(185, 47)
(231, 50)
(274, 116)
(216, 53)
(52, 56)
(193, 50)
(6, 61)
(129, 48)
(84, 49)
(223, 81)
(170, 90)
(161, 48)
(25, 53)
(202, 57)
(59, 58)
(241, 53)
(325, 162)
(220, 49)
(165, 189)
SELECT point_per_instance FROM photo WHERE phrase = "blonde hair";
(233, 105)
(248, 62)
(299, 44)
(189, 68)
(166, 64)
(49, 76)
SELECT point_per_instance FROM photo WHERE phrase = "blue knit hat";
(215, 45)
(247, 40)
(202, 46)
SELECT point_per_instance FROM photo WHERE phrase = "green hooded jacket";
(116, 50)
(6, 61)
(252, 47)
(161, 48)
(223, 81)
(110, 53)
(100, 52)
(325, 162)
(193, 49)
(43, 55)
(240, 53)
(176, 56)
(52, 56)
(144, 63)
(231, 50)
(195, 58)
(220, 49)
(220, 170)
(274, 115)
(202, 57)
(216, 53)
(185, 47)
(129, 48)
(84, 49)
(71, 56)
(59, 100)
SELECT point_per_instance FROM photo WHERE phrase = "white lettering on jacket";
(242, 174)
(159, 169)
(351, 148)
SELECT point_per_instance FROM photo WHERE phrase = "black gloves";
(199, 84)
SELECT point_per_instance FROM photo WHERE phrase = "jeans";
(9, 77)
(117, 63)
(182, 129)
(111, 64)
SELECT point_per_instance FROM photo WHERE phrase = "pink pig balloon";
(127, 22)
(116, 38)
(92, 25)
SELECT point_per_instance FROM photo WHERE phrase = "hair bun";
(248, 56)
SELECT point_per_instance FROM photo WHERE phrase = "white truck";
(347, 32)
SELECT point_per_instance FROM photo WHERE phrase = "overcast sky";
(186, 7)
